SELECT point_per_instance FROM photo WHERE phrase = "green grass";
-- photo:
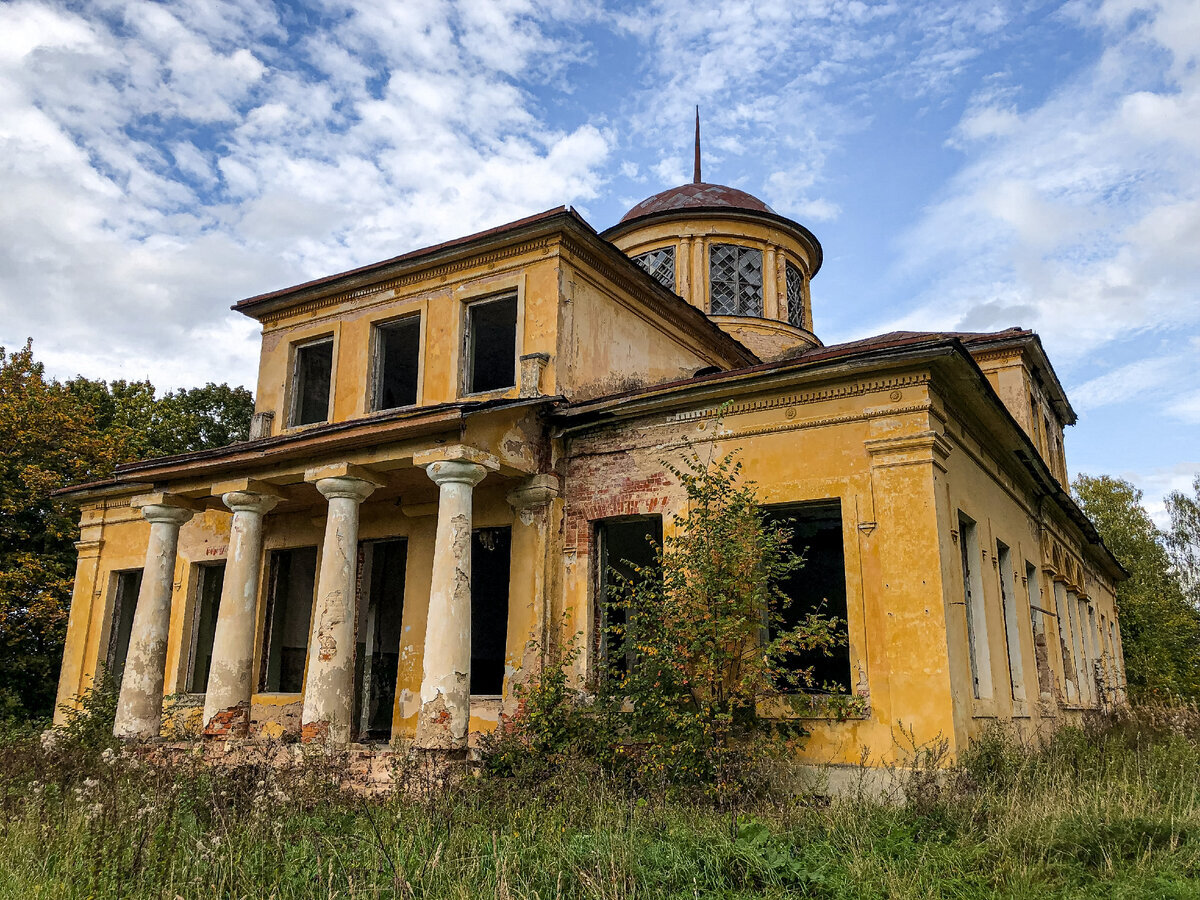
(1109, 811)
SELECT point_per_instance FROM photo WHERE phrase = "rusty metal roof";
(696, 196)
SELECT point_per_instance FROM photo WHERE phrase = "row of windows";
(735, 278)
(1083, 643)
(490, 361)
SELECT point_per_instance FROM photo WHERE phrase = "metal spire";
(696, 174)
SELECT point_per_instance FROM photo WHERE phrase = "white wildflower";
(109, 757)
(51, 738)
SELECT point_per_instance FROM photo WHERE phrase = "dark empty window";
(310, 382)
(625, 546)
(492, 345)
(204, 624)
(397, 353)
(491, 552)
(735, 280)
(659, 265)
(795, 295)
(380, 618)
(125, 599)
(293, 577)
(818, 586)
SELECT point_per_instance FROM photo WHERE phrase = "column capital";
(455, 471)
(345, 487)
(456, 453)
(535, 491)
(250, 501)
(156, 513)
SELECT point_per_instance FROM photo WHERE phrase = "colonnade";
(328, 699)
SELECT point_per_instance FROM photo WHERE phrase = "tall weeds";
(1106, 809)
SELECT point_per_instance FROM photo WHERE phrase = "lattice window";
(795, 295)
(660, 265)
(735, 280)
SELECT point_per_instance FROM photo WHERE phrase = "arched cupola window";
(795, 295)
(660, 265)
(735, 279)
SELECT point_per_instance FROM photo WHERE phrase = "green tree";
(1160, 629)
(1183, 538)
(704, 629)
(56, 434)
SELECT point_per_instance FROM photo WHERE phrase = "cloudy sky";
(968, 165)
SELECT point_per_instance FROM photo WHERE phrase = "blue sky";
(966, 165)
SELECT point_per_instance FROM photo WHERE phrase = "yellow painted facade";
(943, 454)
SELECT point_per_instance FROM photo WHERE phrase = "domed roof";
(696, 195)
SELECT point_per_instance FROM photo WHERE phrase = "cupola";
(732, 256)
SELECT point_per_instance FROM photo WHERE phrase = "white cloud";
(1082, 211)
(161, 160)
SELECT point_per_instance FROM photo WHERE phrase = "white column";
(139, 707)
(329, 685)
(230, 685)
(446, 676)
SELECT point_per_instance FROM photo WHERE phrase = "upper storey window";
(660, 265)
(311, 380)
(491, 345)
(397, 356)
(795, 295)
(735, 280)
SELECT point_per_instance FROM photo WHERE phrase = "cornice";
(836, 392)
(442, 273)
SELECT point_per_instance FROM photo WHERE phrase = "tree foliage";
(1183, 538)
(54, 434)
(1160, 628)
(705, 632)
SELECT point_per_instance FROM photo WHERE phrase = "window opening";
(492, 345)
(210, 578)
(977, 644)
(735, 280)
(1012, 634)
(818, 586)
(1037, 619)
(1077, 648)
(1088, 618)
(125, 597)
(795, 294)
(380, 614)
(491, 555)
(311, 381)
(397, 357)
(625, 546)
(659, 265)
(289, 612)
(1066, 642)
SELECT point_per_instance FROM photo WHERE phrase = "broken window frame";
(476, 618)
(201, 573)
(379, 359)
(786, 513)
(1012, 629)
(600, 585)
(265, 646)
(124, 588)
(298, 387)
(975, 607)
(469, 344)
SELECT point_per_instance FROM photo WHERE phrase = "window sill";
(495, 394)
(817, 707)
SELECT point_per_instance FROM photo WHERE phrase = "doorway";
(380, 615)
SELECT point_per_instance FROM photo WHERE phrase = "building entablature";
(539, 307)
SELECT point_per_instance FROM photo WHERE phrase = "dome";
(696, 195)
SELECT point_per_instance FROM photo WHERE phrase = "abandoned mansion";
(453, 449)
